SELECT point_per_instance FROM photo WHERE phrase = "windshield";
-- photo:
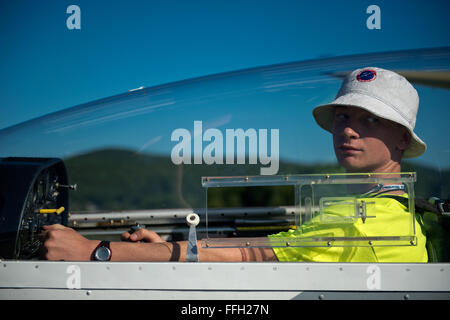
(149, 148)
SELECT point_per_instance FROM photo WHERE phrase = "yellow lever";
(57, 211)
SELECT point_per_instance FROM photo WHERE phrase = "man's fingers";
(141, 235)
(146, 235)
(137, 235)
(53, 227)
(125, 236)
(48, 228)
(151, 236)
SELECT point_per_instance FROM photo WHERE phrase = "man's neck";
(389, 168)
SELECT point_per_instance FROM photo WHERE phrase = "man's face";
(364, 142)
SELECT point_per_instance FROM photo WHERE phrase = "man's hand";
(63, 243)
(142, 235)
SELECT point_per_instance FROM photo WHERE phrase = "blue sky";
(122, 45)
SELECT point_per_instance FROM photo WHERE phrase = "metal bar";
(173, 216)
(236, 181)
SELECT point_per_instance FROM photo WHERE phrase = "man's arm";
(63, 243)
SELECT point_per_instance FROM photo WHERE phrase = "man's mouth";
(349, 149)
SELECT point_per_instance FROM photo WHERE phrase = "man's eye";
(372, 119)
(341, 116)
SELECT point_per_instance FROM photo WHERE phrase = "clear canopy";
(149, 148)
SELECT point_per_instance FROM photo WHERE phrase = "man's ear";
(405, 140)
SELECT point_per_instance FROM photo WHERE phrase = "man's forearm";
(176, 251)
(129, 251)
(63, 243)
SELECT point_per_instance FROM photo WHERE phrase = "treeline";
(114, 179)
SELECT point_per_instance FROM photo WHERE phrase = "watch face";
(102, 254)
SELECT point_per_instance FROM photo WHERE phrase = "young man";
(372, 121)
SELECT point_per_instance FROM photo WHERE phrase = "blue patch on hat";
(366, 75)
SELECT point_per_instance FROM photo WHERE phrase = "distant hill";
(116, 179)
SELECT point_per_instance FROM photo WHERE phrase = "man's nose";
(350, 132)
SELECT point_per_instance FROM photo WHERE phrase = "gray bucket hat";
(384, 93)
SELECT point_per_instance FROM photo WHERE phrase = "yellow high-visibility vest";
(392, 218)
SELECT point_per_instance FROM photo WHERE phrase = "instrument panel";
(42, 207)
(33, 193)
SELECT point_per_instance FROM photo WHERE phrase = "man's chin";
(352, 165)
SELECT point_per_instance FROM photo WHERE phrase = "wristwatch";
(102, 252)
